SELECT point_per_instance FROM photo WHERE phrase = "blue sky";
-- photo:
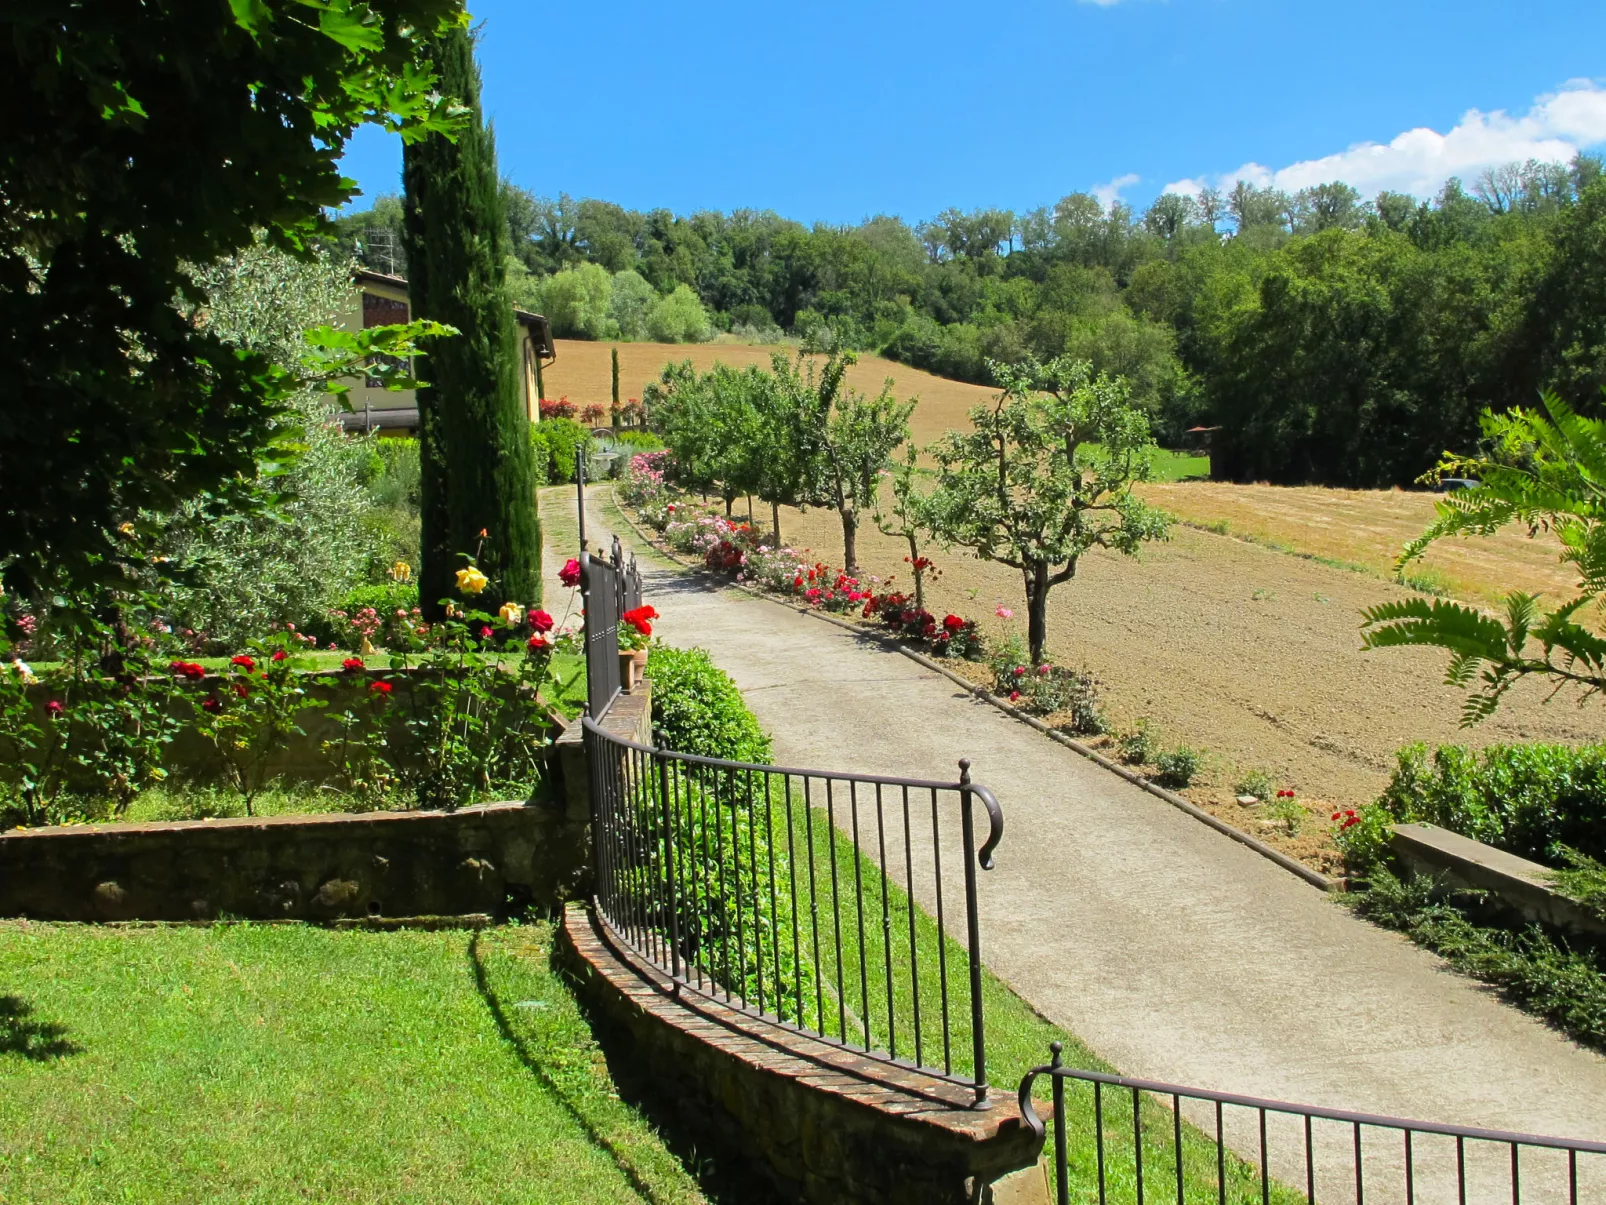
(835, 111)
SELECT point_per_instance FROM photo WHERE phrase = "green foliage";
(559, 439)
(576, 302)
(119, 179)
(631, 301)
(1044, 476)
(1177, 766)
(1257, 783)
(696, 708)
(1138, 746)
(250, 715)
(1550, 475)
(1533, 800)
(1533, 967)
(1584, 880)
(478, 472)
(678, 318)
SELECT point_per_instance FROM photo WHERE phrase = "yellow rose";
(401, 571)
(512, 614)
(471, 580)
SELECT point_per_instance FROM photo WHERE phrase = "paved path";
(1171, 950)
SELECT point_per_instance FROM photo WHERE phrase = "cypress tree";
(474, 443)
(616, 389)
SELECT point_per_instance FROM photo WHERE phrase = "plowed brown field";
(1246, 653)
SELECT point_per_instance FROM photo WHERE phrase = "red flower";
(187, 669)
(352, 664)
(1285, 794)
(485, 631)
(538, 643)
(379, 688)
(641, 618)
(241, 689)
(952, 622)
(244, 662)
(540, 621)
(55, 708)
(569, 575)
(1019, 671)
(1014, 695)
(279, 656)
(1349, 817)
(212, 703)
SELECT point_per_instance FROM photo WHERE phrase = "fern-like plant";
(1550, 474)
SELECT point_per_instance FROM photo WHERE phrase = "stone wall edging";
(1314, 877)
(816, 1122)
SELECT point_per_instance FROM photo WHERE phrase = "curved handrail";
(995, 813)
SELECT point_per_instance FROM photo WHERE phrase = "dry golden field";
(583, 373)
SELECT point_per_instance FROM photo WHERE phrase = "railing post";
(978, 1033)
(669, 860)
(1061, 1168)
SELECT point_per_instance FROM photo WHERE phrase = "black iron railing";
(764, 888)
(1135, 1140)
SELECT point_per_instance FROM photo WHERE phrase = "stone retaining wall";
(490, 859)
(818, 1123)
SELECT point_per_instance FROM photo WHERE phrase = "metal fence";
(610, 588)
(763, 888)
(1119, 1139)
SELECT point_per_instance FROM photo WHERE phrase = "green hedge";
(557, 440)
(698, 709)
(1527, 799)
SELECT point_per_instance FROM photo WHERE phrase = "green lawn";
(1179, 466)
(258, 1064)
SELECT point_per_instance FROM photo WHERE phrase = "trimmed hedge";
(1527, 799)
(698, 709)
(557, 439)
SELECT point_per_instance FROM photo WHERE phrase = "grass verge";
(257, 1064)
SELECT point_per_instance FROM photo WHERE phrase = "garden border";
(1314, 877)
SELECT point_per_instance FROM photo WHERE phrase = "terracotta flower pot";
(632, 665)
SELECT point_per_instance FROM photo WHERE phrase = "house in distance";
(380, 299)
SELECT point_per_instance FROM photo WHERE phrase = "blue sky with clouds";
(835, 111)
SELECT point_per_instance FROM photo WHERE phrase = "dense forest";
(1332, 339)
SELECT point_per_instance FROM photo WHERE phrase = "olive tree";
(845, 438)
(1045, 476)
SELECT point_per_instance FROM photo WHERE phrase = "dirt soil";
(1249, 655)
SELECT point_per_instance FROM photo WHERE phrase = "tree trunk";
(730, 500)
(775, 518)
(920, 574)
(850, 541)
(750, 510)
(1037, 611)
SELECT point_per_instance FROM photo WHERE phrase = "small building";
(381, 300)
(1207, 438)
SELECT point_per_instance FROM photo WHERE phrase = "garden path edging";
(1314, 877)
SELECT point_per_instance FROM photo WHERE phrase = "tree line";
(1332, 338)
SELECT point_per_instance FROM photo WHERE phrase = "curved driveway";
(1173, 951)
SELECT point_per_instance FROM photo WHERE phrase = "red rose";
(352, 664)
(538, 643)
(279, 656)
(55, 708)
(241, 689)
(540, 621)
(379, 688)
(244, 662)
(212, 703)
(569, 575)
(187, 669)
(952, 622)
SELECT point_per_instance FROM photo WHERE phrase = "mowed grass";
(261, 1064)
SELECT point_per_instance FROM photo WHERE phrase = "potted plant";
(635, 633)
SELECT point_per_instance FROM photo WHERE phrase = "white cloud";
(1108, 194)
(1419, 161)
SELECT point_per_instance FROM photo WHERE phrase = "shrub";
(679, 318)
(1137, 746)
(1177, 766)
(1531, 800)
(697, 708)
(560, 439)
(1257, 783)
